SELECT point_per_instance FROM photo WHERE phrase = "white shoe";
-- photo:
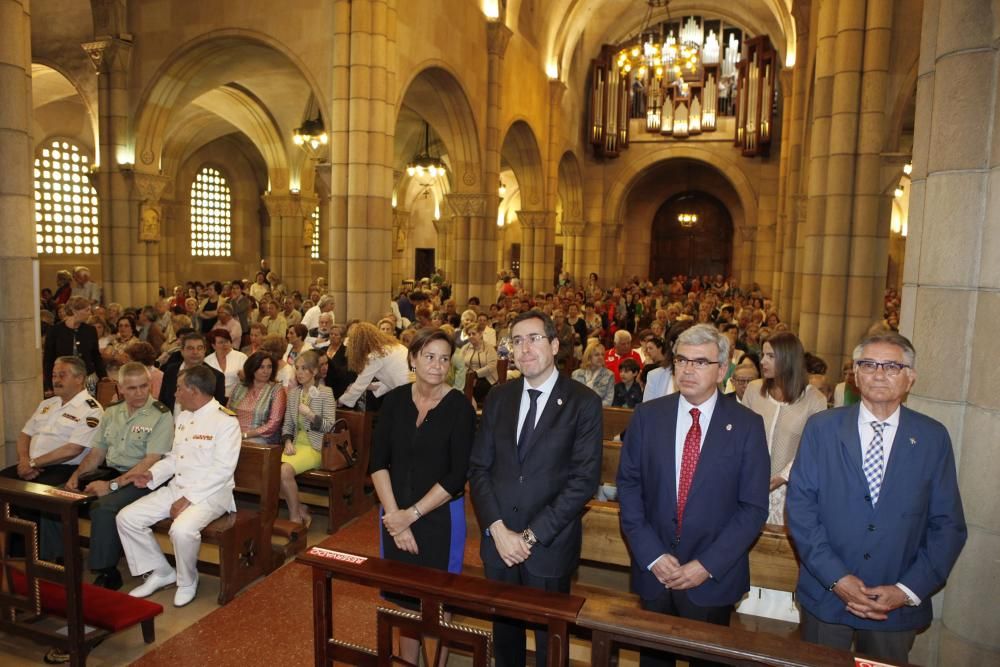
(153, 583)
(185, 594)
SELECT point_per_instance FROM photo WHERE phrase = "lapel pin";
(913, 441)
(558, 401)
(729, 427)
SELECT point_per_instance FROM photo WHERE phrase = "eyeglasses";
(869, 366)
(700, 363)
(531, 339)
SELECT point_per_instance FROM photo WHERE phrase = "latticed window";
(314, 250)
(211, 214)
(65, 201)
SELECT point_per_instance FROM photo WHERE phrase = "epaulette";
(92, 403)
(160, 406)
(227, 411)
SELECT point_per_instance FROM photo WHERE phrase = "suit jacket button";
(871, 527)
(868, 499)
(868, 556)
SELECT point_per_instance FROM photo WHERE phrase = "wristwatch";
(529, 537)
(31, 463)
(114, 484)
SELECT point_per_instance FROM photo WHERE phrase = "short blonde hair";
(588, 354)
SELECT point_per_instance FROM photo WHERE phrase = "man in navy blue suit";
(693, 488)
(874, 511)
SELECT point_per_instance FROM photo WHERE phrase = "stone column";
(20, 355)
(291, 228)
(781, 219)
(793, 144)
(473, 263)
(371, 99)
(547, 268)
(497, 38)
(809, 260)
(533, 249)
(610, 264)
(573, 248)
(148, 235)
(119, 242)
(171, 216)
(951, 302)
(400, 237)
(444, 255)
(334, 176)
(869, 241)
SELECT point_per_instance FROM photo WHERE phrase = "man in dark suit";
(535, 464)
(193, 348)
(874, 511)
(693, 488)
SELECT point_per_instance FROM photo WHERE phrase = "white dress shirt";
(540, 402)
(684, 422)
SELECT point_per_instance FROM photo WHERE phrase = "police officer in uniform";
(202, 462)
(55, 438)
(134, 434)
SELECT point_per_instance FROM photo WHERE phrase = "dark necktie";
(528, 429)
(689, 462)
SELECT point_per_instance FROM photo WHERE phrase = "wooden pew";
(107, 392)
(615, 421)
(773, 563)
(341, 484)
(241, 539)
(609, 461)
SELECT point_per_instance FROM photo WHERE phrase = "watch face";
(114, 486)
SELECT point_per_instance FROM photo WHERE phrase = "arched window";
(314, 250)
(65, 201)
(211, 214)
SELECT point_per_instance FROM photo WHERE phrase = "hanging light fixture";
(423, 164)
(672, 56)
(687, 220)
(311, 135)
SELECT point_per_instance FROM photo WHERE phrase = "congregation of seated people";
(271, 365)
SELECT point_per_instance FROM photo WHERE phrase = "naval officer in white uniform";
(206, 448)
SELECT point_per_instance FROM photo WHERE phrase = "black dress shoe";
(110, 578)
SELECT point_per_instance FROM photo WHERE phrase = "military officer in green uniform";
(133, 435)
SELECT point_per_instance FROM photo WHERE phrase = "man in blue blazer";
(693, 488)
(535, 464)
(874, 511)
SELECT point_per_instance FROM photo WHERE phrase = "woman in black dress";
(419, 462)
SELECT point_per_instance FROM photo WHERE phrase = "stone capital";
(573, 228)
(289, 205)
(466, 204)
(444, 226)
(148, 187)
(748, 233)
(785, 79)
(534, 219)
(108, 54)
(556, 90)
(497, 38)
(400, 218)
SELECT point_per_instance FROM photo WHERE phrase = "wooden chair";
(107, 392)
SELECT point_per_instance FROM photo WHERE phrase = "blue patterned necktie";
(872, 465)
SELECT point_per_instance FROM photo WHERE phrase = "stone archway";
(680, 245)
(434, 113)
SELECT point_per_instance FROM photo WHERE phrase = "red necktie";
(689, 461)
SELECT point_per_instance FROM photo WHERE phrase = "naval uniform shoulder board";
(161, 406)
(227, 411)
(92, 403)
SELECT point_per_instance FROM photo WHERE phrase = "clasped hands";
(398, 523)
(26, 472)
(669, 572)
(871, 602)
(510, 545)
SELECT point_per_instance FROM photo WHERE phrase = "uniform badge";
(558, 401)
(913, 441)
(142, 429)
(72, 418)
(46, 409)
(203, 436)
(729, 427)
(92, 403)
(92, 422)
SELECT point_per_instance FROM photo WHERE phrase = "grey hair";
(324, 300)
(622, 335)
(132, 368)
(200, 378)
(701, 334)
(892, 338)
(77, 367)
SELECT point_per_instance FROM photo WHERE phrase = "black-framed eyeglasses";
(870, 366)
(699, 363)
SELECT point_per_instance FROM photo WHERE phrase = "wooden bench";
(106, 392)
(241, 539)
(616, 421)
(773, 563)
(342, 479)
